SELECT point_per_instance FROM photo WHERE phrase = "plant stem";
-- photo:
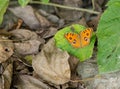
(65, 7)
(93, 4)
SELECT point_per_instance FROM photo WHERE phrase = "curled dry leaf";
(9, 20)
(93, 22)
(24, 34)
(70, 15)
(26, 14)
(48, 33)
(43, 21)
(51, 64)
(29, 82)
(43, 12)
(28, 47)
(6, 49)
(30, 43)
(53, 18)
(6, 77)
(73, 61)
(81, 21)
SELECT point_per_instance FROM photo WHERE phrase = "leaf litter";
(53, 64)
(33, 41)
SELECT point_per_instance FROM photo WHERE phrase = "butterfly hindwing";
(85, 36)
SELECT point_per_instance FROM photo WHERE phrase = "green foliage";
(108, 34)
(23, 2)
(81, 53)
(45, 1)
(28, 59)
(3, 7)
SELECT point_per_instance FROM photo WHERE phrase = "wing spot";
(85, 38)
(87, 34)
(74, 41)
(70, 38)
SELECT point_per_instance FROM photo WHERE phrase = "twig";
(93, 4)
(5, 40)
(88, 79)
(65, 7)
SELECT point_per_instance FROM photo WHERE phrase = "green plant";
(23, 2)
(81, 53)
(3, 6)
(108, 34)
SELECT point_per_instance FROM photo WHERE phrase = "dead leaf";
(5, 33)
(29, 82)
(94, 22)
(51, 64)
(43, 21)
(53, 18)
(81, 21)
(27, 47)
(70, 15)
(6, 77)
(48, 33)
(43, 12)
(6, 49)
(9, 20)
(73, 61)
(27, 15)
(23, 34)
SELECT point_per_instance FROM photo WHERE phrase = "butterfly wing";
(85, 37)
(73, 39)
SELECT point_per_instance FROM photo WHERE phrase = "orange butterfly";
(79, 40)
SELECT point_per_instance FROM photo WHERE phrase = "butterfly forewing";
(73, 39)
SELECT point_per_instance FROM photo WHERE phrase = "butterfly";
(79, 40)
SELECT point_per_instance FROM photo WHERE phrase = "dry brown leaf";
(29, 82)
(53, 18)
(27, 15)
(27, 47)
(48, 33)
(6, 77)
(24, 34)
(30, 42)
(94, 22)
(51, 64)
(73, 61)
(43, 21)
(6, 49)
(43, 12)
(70, 15)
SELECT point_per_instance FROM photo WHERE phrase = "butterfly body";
(79, 40)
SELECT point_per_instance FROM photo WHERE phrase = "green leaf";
(45, 1)
(81, 53)
(28, 59)
(108, 34)
(3, 7)
(23, 2)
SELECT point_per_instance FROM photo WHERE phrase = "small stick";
(65, 7)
